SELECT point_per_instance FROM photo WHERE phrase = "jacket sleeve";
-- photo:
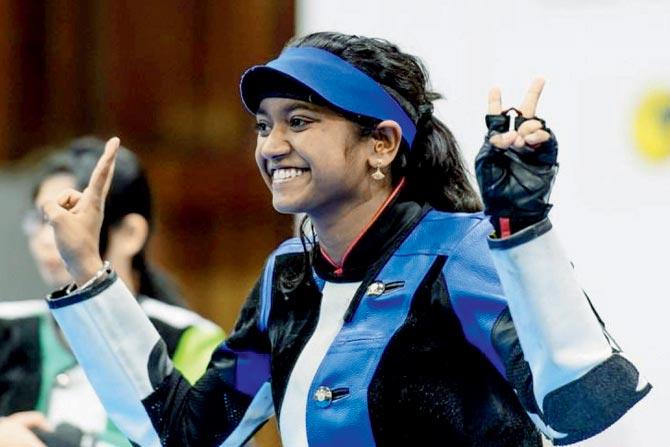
(520, 304)
(190, 338)
(127, 363)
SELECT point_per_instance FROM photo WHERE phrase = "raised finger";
(532, 97)
(101, 177)
(528, 127)
(537, 137)
(495, 101)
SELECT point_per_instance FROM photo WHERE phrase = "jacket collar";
(385, 231)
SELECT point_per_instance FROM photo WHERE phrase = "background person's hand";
(13, 432)
(516, 168)
(76, 218)
(30, 419)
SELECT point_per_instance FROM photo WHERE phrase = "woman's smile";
(311, 158)
(282, 176)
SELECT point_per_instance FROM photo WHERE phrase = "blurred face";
(40, 235)
(313, 160)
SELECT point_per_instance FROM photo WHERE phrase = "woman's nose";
(275, 144)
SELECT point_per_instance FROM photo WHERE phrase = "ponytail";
(435, 170)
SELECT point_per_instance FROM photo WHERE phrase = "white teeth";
(286, 174)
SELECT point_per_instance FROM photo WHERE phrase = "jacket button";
(323, 396)
(376, 288)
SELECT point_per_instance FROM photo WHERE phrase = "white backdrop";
(612, 207)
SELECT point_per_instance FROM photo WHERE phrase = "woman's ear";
(128, 237)
(387, 137)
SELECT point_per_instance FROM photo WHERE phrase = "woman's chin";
(284, 207)
(289, 204)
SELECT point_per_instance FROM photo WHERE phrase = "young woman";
(38, 373)
(403, 321)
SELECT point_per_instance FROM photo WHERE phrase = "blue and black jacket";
(429, 331)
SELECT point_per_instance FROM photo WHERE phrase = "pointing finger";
(495, 101)
(101, 177)
(532, 97)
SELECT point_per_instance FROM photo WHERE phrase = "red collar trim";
(339, 267)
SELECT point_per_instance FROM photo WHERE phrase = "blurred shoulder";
(175, 316)
(12, 310)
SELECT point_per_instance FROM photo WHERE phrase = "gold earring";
(378, 174)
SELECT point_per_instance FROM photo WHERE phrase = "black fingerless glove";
(515, 183)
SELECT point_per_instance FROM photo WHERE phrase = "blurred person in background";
(412, 318)
(43, 391)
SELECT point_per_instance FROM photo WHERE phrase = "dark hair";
(433, 168)
(129, 193)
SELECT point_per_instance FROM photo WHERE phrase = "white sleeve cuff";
(113, 340)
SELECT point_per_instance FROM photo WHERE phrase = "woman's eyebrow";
(261, 111)
(290, 108)
(300, 105)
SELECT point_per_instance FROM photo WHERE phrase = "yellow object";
(652, 125)
(194, 350)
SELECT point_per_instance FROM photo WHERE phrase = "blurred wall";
(162, 75)
(18, 276)
(600, 58)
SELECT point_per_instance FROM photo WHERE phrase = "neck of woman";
(340, 228)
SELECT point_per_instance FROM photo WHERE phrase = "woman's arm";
(573, 380)
(123, 355)
(127, 363)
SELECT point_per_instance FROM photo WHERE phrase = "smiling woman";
(302, 176)
(410, 317)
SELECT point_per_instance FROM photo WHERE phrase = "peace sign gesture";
(76, 218)
(530, 130)
(516, 168)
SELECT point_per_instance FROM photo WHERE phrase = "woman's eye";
(297, 122)
(262, 128)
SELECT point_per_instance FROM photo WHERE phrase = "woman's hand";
(76, 218)
(15, 430)
(531, 132)
(516, 168)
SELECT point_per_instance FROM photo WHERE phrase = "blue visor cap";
(335, 80)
